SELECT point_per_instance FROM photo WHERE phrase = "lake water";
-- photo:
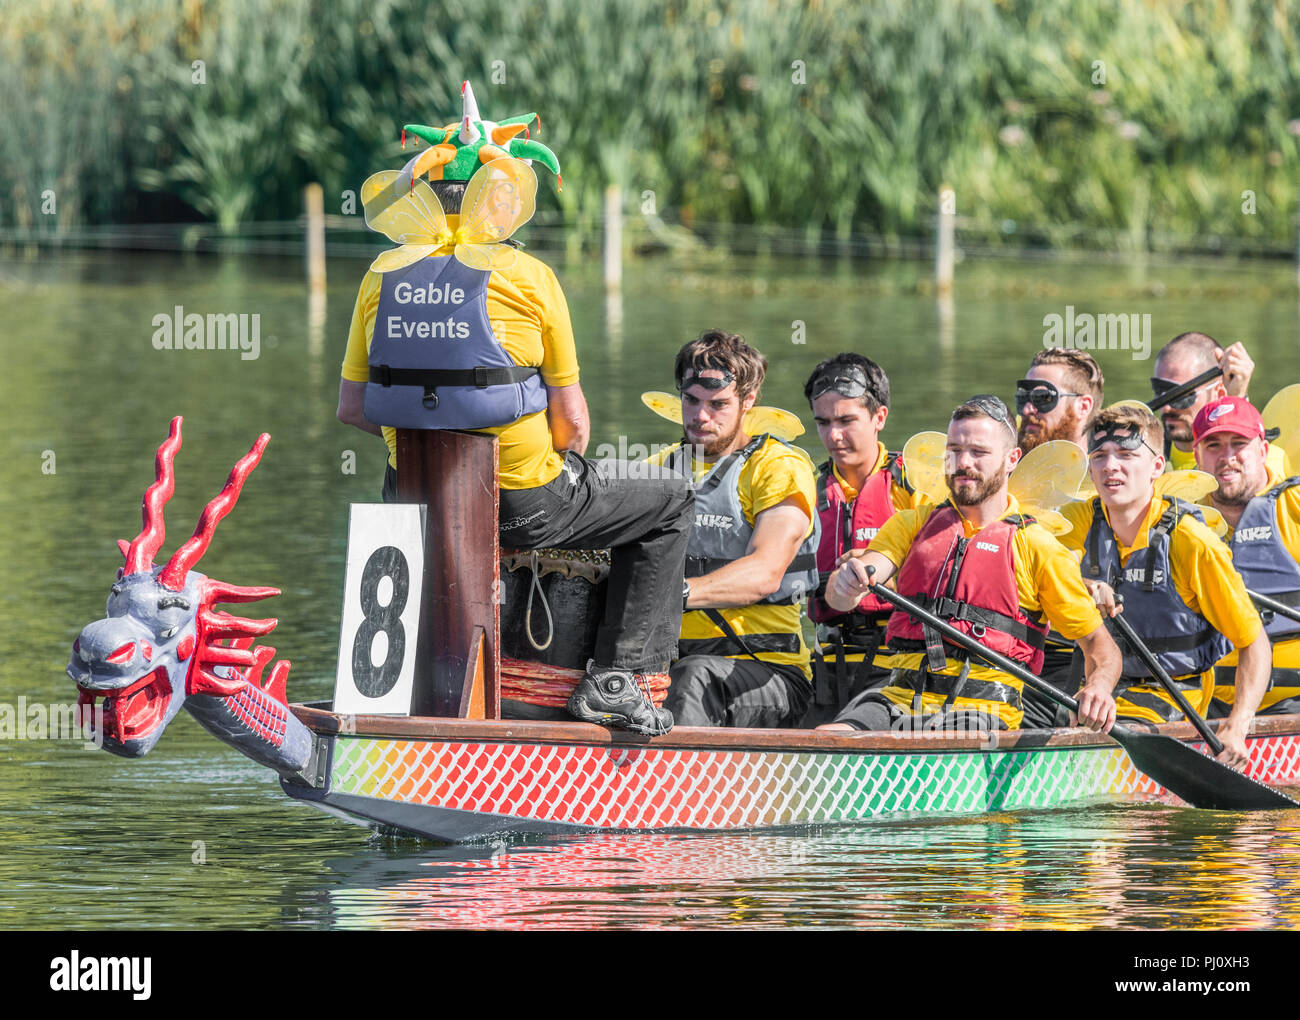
(194, 835)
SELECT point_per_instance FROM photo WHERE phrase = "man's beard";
(712, 447)
(1067, 428)
(984, 488)
(1177, 430)
(1246, 492)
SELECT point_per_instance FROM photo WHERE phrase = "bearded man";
(1058, 397)
(979, 564)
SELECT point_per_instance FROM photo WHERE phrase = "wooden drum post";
(457, 657)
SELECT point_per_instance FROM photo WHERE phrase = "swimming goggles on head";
(712, 383)
(1039, 392)
(1123, 436)
(846, 380)
(994, 408)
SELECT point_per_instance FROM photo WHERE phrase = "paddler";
(1263, 510)
(1185, 357)
(859, 487)
(1181, 593)
(752, 556)
(976, 562)
(1058, 397)
(1057, 400)
(521, 344)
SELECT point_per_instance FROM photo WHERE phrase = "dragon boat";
(439, 762)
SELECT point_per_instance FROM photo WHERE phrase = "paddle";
(1166, 681)
(1201, 781)
(1281, 608)
(1155, 403)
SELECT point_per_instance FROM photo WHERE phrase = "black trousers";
(643, 515)
(713, 690)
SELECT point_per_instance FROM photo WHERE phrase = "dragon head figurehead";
(161, 641)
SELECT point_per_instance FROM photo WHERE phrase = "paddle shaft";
(1264, 602)
(1166, 681)
(1155, 403)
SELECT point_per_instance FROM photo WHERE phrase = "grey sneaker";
(617, 697)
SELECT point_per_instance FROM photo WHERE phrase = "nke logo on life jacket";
(1263, 533)
(865, 534)
(986, 546)
(714, 520)
(1138, 575)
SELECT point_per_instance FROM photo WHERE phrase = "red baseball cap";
(1228, 414)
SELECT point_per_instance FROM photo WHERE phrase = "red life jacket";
(971, 584)
(846, 526)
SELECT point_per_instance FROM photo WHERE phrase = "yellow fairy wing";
(1046, 516)
(399, 258)
(773, 420)
(1214, 521)
(1188, 485)
(923, 456)
(499, 199)
(1048, 476)
(758, 420)
(485, 256)
(1283, 412)
(401, 213)
(1086, 489)
(666, 405)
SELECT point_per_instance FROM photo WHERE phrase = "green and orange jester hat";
(457, 150)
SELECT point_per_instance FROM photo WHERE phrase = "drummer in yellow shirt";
(1182, 595)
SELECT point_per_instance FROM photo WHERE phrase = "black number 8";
(371, 680)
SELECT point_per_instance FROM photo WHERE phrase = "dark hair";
(449, 195)
(727, 351)
(877, 395)
(1202, 349)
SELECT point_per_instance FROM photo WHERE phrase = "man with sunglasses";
(975, 561)
(1180, 591)
(1056, 400)
(1058, 397)
(751, 558)
(859, 487)
(1185, 357)
(1263, 509)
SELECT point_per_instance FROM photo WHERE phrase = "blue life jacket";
(1262, 559)
(1182, 641)
(435, 362)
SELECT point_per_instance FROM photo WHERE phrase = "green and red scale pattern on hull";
(621, 787)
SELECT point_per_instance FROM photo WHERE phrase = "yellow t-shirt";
(1286, 654)
(1047, 584)
(1201, 569)
(773, 474)
(530, 317)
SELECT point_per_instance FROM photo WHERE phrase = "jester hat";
(457, 150)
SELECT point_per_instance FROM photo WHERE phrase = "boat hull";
(456, 780)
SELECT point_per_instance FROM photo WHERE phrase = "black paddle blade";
(1196, 778)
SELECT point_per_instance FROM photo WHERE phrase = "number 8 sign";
(381, 609)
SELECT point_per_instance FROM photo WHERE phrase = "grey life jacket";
(721, 533)
(1262, 559)
(435, 362)
(1182, 641)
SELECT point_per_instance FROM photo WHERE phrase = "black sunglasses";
(994, 408)
(1042, 394)
(1162, 386)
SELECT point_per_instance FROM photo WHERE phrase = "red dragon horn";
(173, 575)
(140, 553)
